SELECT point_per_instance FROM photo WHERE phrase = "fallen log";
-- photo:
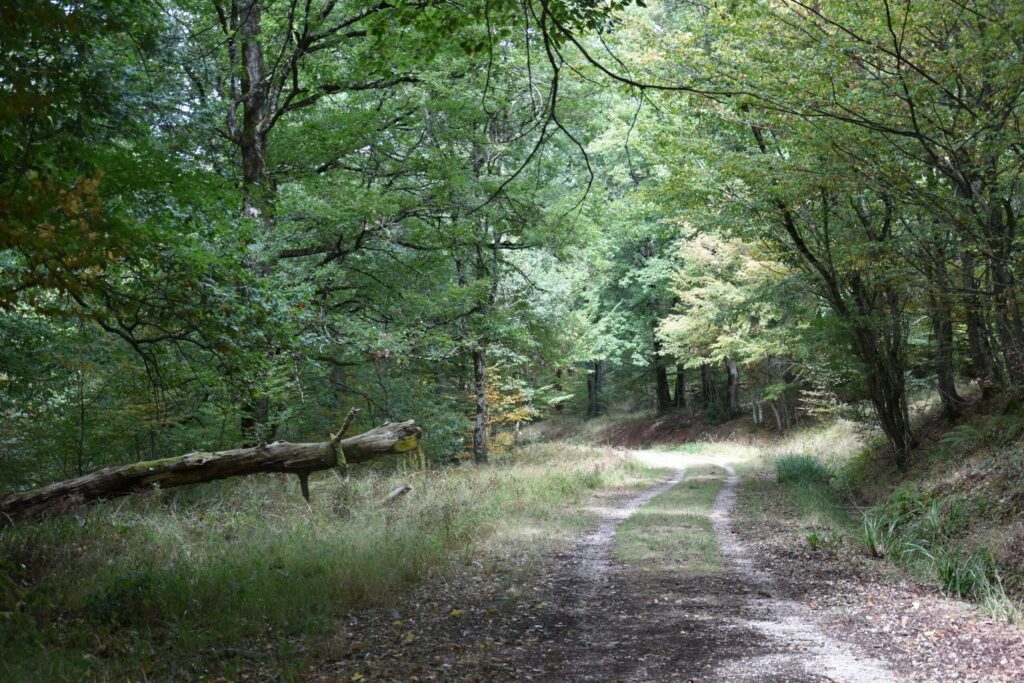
(194, 468)
(396, 492)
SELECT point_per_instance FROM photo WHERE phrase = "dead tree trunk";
(194, 468)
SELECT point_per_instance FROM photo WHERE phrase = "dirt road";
(617, 622)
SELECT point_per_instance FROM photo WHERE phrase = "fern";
(1004, 429)
(961, 438)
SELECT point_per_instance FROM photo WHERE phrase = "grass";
(209, 579)
(802, 470)
(673, 532)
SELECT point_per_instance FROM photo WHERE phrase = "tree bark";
(1007, 317)
(257, 187)
(942, 327)
(982, 359)
(664, 398)
(883, 371)
(708, 392)
(662, 395)
(194, 468)
(559, 407)
(778, 418)
(480, 390)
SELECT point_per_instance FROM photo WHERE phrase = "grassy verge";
(818, 505)
(921, 525)
(673, 532)
(927, 535)
(202, 582)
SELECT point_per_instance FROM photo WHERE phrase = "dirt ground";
(778, 613)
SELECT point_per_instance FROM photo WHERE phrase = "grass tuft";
(822, 539)
(801, 469)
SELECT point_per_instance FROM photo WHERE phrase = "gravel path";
(615, 622)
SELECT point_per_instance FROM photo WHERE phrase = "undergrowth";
(168, 584)
(820, 507)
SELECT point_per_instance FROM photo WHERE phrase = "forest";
(231, 224)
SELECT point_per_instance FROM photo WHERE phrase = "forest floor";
(706, 576)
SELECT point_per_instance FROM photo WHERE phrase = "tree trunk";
(194, 468)
(594, 379)
(258, 191)
(559, 407)
(1008, 321)
(664, 398)
(257, 187)
(778, 418)
(480, 390)
(662, 395)
(708, 393)
(733, 386)
(679, 398)
(982, 360)
(884, 372)
(942, 326)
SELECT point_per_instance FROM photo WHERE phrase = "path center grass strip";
(673, 531)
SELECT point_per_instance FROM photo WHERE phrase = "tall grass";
(118, 590)
(801, 470)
